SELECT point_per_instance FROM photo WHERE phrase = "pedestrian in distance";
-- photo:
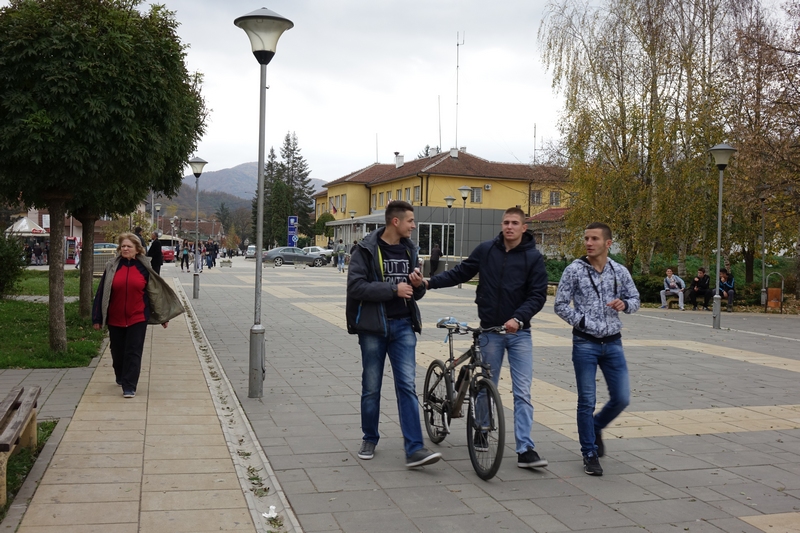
(138, 232)
(511, 290)
(155, 253)
(185, 256)
(700, 287)
(598, 289)
(727, 287)
(383, 286)
(436, 254)
(130, 296)
(340, 251)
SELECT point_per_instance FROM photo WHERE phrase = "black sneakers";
(480, 442)
(422, 457)
(598, 441)
(591, 465)
(530, 459)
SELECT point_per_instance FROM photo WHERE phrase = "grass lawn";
(25, 333)
(36, 283)
(20, 464)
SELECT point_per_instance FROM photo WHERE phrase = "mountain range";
(240, 181)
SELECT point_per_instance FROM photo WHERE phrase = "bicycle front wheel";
(435, 402)
(486, 428)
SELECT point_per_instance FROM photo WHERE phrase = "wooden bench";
(673, 299)
(17, 427)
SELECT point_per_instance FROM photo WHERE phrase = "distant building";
(357, 201)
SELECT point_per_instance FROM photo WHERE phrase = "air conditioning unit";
(487, 187)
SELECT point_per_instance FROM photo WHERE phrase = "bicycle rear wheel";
(486, 428)
(435, 401)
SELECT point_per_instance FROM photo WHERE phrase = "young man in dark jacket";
(511, 290)
(155, 254)
(383, 285)
(726, 287)
(700, 287)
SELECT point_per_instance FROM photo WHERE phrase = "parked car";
(327, 252)
(169, 253)
(291, 255)
(251, 252)
(104, 250)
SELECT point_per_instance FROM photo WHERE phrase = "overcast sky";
(353, 70)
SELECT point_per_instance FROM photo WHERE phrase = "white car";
(251, 252)
(327, 252)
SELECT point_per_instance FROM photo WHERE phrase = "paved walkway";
(710, 443)
(178, 457)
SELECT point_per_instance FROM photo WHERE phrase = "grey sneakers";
(367, 450)
(422, 457)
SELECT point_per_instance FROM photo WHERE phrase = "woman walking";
(185, 256)
(131, 296)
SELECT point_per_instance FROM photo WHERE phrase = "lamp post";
(763, 198)
(352, 225)
(449, 201)
(722, 154)
(197, 165)
(263, 27)
(465, 192)
(158, 218)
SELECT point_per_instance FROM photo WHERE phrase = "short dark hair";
(397, 208)
(340, 241)
(137, 229)
(604, 227)
(723, 270)
(515, 211)
(701, 269)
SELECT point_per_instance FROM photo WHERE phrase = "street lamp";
(722, 154)
(449, 201)
(465, 192)
(263, 27)
(352, 224)
(158, 217)
(763, 198)
(197, 165)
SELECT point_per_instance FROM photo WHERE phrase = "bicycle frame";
(459, 387)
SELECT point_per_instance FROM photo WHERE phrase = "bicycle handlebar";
(452, 324)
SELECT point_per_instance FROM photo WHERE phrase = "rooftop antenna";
(376, 149)
(440, 122)
(459, 43)
(534, 143)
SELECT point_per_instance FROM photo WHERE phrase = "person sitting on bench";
(726, 289)
(699, 287)
(673, 285)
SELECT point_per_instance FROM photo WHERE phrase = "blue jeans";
(400, 345)
(340, 263)
(586, 357)
(520, 361)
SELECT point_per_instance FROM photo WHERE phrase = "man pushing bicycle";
(511, 290)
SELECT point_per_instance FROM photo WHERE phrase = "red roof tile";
(553, 214)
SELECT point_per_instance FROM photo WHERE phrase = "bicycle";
(444, 397)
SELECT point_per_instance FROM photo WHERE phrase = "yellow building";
(427, 181)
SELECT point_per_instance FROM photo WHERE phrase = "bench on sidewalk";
(17, 427)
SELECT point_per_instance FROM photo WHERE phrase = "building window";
(476, 196)
(573, 198)
(380, 199)
(344, 202)
(399, 195)
(555, 198)
(374, 201)
(408, 194)
(388, 196)
(441, 234)
(536, 197)
(416, 193)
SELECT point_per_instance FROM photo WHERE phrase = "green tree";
(223, 215)
(92, 90)
(295, 173)
(320, 228)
